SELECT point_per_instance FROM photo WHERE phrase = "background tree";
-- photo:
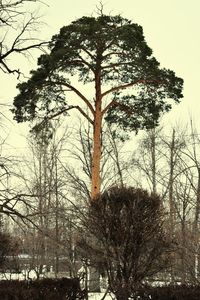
(78, 168)
(177, 181)
(128, 85)
(146, 160)
(4, 247)
(9, 250)
(17, 21)
(50, 239)
(12, 197)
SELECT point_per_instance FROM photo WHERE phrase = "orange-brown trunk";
(96, 156)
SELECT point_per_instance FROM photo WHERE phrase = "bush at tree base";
(126, 235)
(45, 289)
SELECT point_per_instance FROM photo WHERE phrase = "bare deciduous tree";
(18, 32)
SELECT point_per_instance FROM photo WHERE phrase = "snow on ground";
(99, 296)
(18, 276)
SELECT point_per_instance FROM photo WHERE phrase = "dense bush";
(46, 289)
(127, 224)
(69, 289)
(181, 292)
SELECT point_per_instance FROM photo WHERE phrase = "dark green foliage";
(46, 289)
(115, 49)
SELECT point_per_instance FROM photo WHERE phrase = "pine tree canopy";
(110, 52)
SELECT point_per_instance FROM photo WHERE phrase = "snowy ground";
(99, 296)
(17, 276)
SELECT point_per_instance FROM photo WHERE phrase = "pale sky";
(171, 28)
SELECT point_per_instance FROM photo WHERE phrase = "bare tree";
(18, 36)
(18, 32)
(52, 212)
(191, 166)
(78, 169)
(147, 160)
(161, 160)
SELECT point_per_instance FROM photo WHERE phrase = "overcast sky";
(171, 28)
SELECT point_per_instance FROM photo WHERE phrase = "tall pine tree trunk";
(96, 156)
(94, 284)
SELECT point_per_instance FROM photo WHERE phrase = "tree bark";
(56, 218)
(196, 227)
(96, 155)
(171, 183)
(171, 198)
(153, 158)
